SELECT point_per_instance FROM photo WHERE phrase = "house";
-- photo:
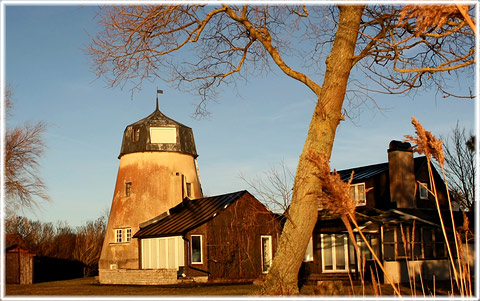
(162, 230)
(398, 217)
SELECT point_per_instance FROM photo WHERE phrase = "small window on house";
(309, 252)
(118, 235)
(128, 188)
(357, 193)
(197, 249)
(422, 191)
(266, 244)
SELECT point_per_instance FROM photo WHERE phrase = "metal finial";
(158, 92)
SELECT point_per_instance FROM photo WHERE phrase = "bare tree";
(230, 42)
(24, 146)
(460, 166)
(88, 244)
(273, 188)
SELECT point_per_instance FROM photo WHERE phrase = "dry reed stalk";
(374, 255)
(405, 250)
(335, 195)
(374, 284)
(351, 284)
(428, 144)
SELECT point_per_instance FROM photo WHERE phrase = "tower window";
(128, 188)
(128, 234)
(123, 235)
(118, 235)
(136, 134)
(189, 189)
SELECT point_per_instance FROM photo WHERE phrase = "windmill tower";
(157, 170)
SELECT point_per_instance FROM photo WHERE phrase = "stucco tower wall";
(158, 182)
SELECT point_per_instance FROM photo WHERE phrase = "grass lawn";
(90, 287)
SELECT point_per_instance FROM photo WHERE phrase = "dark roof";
(184, 140)
(365, 172)
(188, 215)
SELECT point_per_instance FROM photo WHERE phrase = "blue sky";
(247, 132)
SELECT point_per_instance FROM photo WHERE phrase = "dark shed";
(18, 265)
(158, 132)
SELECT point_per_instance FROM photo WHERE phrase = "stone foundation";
(138, 277)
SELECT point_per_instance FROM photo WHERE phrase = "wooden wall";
(232, 241)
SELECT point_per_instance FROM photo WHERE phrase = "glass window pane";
(340, 252)
(352, 255)
(327, 252)
(389, 235)
(389, 251)
(440, 250)
(427, 235)
(266, 253)
(361, 191)
(352, 192)
(417, 250)
(309, 252)
(196, 249)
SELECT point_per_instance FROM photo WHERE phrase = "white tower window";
(163, 135)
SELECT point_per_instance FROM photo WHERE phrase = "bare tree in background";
(24, 146)
(273, 188)
(88, 244)
(223, 44)
(460, 165)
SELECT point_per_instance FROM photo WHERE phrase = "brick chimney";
(402, 174)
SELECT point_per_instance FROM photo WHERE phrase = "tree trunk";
(303, 212)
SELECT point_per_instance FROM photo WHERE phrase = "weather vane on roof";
(158, 92)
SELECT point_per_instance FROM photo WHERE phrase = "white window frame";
(262, 251)
(160, 135)
(123, 235)
(356, 197)
(334, 253)
(118, 235)
(201, 248)
(128, 234)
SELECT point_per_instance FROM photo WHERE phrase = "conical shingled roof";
(137, 136)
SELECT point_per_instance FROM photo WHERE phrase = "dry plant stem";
(463, 285)
(395, 289)
(430, 173)
(346, 222)
(469, 20)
